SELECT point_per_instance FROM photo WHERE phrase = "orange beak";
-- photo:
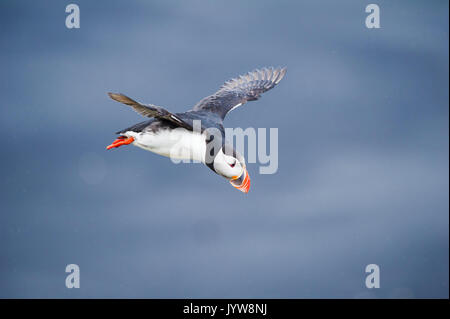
(242, 183)
(121, 140)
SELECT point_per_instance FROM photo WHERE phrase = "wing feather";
(237, 91)
(150, 110)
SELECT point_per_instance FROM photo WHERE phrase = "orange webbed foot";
(121, 140)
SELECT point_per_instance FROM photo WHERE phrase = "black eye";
(232, 165)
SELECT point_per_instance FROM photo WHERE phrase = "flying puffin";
(198, 134)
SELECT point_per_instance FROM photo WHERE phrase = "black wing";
(236, 92)
(150, 110)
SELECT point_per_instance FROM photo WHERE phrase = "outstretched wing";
(150, 110)
(236, 92)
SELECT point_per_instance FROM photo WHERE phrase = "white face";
(228, 166)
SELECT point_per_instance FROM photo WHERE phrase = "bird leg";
(121, 140)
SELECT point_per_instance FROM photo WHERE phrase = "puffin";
(199, 134)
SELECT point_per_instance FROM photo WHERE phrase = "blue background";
(363, 151)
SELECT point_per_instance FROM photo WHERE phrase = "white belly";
(176, 144)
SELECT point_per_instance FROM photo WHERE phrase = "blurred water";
(363, 151)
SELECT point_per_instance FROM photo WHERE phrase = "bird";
(199, 134)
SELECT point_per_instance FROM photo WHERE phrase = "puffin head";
(231, 165)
